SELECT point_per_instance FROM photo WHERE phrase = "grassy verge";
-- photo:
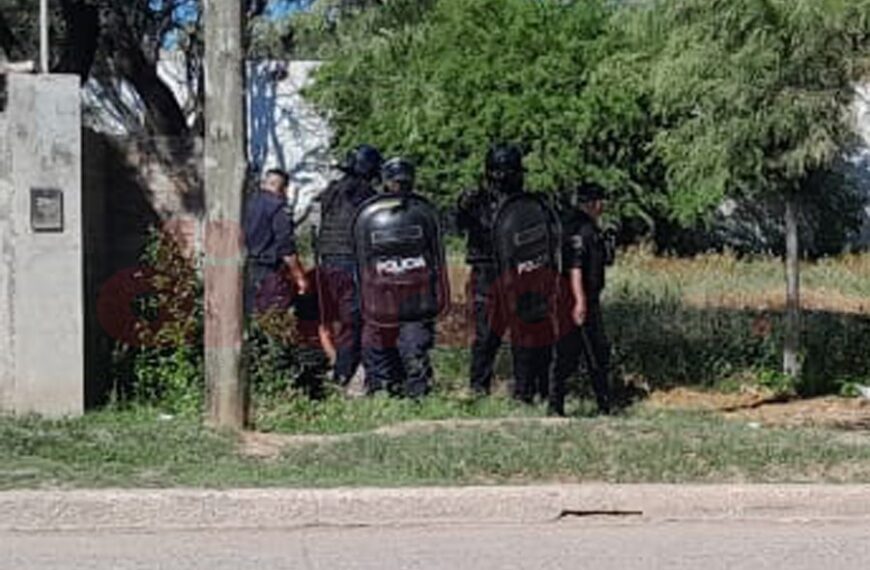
(138, 449)
(338, 415)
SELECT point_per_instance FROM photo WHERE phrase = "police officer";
(585, 254)
(338, 269)
(504, 177)
(397, 358)
(271, 247)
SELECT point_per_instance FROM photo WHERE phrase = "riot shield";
(526, 243)
(400, 253)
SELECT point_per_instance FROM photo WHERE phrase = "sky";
(280, 8)
(187, 10)
(276, 9)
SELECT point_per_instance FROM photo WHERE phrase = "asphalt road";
(601, 544)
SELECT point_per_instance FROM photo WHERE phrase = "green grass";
(137, 449)
(336, 415)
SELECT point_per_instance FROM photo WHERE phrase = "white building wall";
(284, 131)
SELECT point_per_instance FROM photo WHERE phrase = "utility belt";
(337, 257)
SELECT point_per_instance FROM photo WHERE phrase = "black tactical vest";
(475, 216)
(339, 206)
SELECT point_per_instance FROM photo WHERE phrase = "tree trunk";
(225, 168)
(163, 114)
(8, 42)
(82, 39)
(791, 350)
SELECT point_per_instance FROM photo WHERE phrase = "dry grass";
(840, 285)
(763, 408)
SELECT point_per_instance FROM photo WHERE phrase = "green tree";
(326, 26)
(441, 85)
(753, 97)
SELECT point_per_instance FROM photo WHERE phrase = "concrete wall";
(7, 377)
(128, 190)
(43, 330)
(285, 131)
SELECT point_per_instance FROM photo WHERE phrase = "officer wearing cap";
(337, 275)
(585, 254)
(397, 358)
(271, 246)
(503, 177)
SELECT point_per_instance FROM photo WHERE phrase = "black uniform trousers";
(397, 358)
(591, 342)
(532, 354)
(340, 302)
(266, 289)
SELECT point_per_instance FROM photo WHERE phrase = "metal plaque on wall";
(46, 210)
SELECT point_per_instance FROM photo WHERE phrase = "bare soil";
(765, 409)
(270, 445)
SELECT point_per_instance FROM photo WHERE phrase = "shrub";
(167, 365)
(165, 368)
(659, 337)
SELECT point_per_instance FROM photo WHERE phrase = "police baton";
(587, 344)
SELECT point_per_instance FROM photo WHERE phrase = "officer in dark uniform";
(585, 254)
(271, 247)
(398, 358)
(504, 176)
(338, 269)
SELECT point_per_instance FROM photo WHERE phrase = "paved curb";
(261, 509)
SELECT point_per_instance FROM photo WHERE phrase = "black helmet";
(589, 192)
(399, 170)
(363, 161)
(503, 158)
(504, 167)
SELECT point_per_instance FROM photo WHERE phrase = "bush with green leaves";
(166, 366)
(328, 26)
(441, 87)
(164, 369)
(666, 341)
(673, 105)
(669, 344)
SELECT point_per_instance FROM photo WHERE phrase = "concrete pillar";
(41, 276)
(6, 360)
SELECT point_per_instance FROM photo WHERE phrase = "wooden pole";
(225, 168)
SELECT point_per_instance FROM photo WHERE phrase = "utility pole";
(43, 36)
(225, 171)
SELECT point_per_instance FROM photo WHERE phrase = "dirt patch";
(766, 409)
(688, 399)
(774, 300)
(839, 413)
(454, 328)
(270, 445)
